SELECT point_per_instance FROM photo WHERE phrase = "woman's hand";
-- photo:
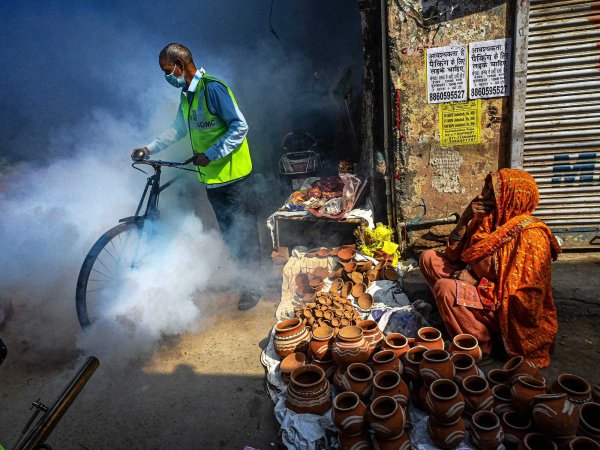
(464, 275)
(479, 207)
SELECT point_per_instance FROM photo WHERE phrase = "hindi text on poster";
(446, 74)
(460, 123)
(489, 68)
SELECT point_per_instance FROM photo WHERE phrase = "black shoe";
(248, 299)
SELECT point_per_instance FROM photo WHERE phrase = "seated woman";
(494, 275)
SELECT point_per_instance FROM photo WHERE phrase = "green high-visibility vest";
(205, 128)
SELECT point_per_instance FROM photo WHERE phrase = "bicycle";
(117, 248)
(34, 440)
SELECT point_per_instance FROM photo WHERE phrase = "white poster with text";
(489, 68)
(447, 74)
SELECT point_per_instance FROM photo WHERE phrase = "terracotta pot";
(578, 390)
(412, 360)
(361, 441)
(519, 366)
(334, 251)
(537, 441)
(448, 435)
(328, 366)
(486, 431)
(320, 344)
(364, 266)
(430, 337)
(372, 334)
(335, 274)
(477, 393)
(464, 366)
(337, 379)
(389, 383)
(346, 289)
(291, 336)
(596, 393)
(365, 301)
(400, 442)
(386, 360)
(583, 443)
(515, 425)
(386, 417)
(349, 413)
(358, 379)
(336, 286)
(290, 363)
(349, 267)
(497, 376)
(346, 254)
(444, 402)
(372, 275)
(358, 290)
(466, 343)
(589, 420)
(356, 277)
(308, 391)
(396, 342)
(323, 252)
(523, 391)
(502, 403)
(436, 364)
(350, 346)
(555, 416)
(321, 272)
(418, 394)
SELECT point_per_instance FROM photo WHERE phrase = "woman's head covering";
(516, 194)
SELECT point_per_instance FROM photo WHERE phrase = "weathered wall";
(447, 178)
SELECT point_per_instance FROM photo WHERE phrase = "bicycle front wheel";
(108, 258)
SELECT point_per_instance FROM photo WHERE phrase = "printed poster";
(489, 68)
(460, 123)
(446, 74)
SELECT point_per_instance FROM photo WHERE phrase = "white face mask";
(178, 82)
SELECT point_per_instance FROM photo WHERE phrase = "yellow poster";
(460, 123)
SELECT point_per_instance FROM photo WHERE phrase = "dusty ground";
(206, 390)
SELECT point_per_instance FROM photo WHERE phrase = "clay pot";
(356, 277)
(466, 343)
(396, 342)
(444, 402)
(578, 390)
(328, 366)
(349, 268)
(349, 246)
(389, 383)
(418, 394)
(346, 254)
(334, 251)
(346, 289)
(290, 336)
(335, 274)
(537, 441)
(308, 391)
(400, 442)
(323, 252)
(515, 425)
(518, 366)
(364, 266)
(358, 379)
(448, 435)
(365, 301)
(486, 431)
(316, 284)
(391, 274)
(464, 366)
(320, 344)
(412, 360)
(583, 443)
(555, 416)
(349, 413)
(372, 334)
(497, 376)
(358, 290)
(385, 360)
(372, 275)
(477, 393)
(436, 364)
(523, 391)
(350, 346)
(290, 363)
(430, 337)
(502, 403)
(361, 441)
(337, 379)
(336, 286)
(589, 420)
(386, 417)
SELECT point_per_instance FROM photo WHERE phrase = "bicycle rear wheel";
(108, 258)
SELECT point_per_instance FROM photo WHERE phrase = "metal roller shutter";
(558, 141)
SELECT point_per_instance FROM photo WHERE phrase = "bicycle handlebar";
(158, 162)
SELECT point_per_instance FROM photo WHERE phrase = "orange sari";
(522, 247)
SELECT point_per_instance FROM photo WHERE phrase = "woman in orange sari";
(494, 276)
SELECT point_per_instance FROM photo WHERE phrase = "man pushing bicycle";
(209, 114)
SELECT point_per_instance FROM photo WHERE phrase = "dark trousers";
(234, 207)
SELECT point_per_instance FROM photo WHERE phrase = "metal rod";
(453, 218)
